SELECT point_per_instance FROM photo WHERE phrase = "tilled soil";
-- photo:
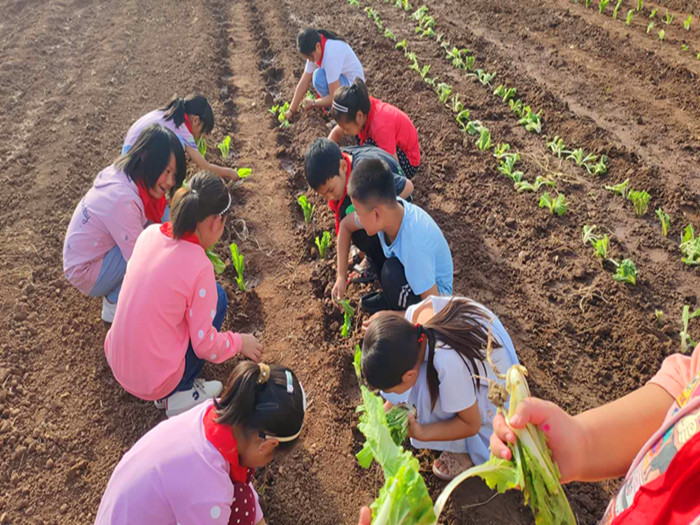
(75, 75)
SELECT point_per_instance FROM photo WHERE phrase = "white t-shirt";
(338, 59)
(457, 387)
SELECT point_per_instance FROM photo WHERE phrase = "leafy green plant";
(239, 265)
(244, 172)
(662, 34)
(224, 146)
(650, 27)
(516, 106)
(665, 221)
(348, 313)
(217, 263)
(669, 17)
(640, 199)
(459, 58)
(690, 246)
(687, 343)
(419, 13)
(307, 208)
(588, 3)
(531, 121)
(626, 271)
(354, 3)
(388, 34)
(603, 5)
(659, 314)
(484, 140)
(507, 165)
(640, 5)
(483, 77)
(601, 246)
(557, 206)
(539, 182)
(444, 91)
(556, 146)
(684, 47)
(456, 104)
(580, 158)
(630, 16)
(473, 127)
(462, 119)
(505, 93)
(202, 146)
(279, 111)
(620, 189)
(322, 243)
(587, 235)
(687, 22)
(600, 168)
(501, 150)
(403, 4)
(401, 45)
(617, 8)
(653, 12)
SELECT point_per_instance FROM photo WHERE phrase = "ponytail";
(263, 398)
(205, 195)
(309, 37)
(392, 345)
(196, 105)
(348, 100)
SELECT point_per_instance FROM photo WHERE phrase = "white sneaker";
(108, 310)
(180, 402)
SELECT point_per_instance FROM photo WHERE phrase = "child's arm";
(597, 444)
(348, 226)
(204, 164)
(299, 93)
(407, 190)
(466, 423)
(336, 134)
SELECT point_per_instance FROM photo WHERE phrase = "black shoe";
(374, 302)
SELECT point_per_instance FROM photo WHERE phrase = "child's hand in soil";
(229, 173)
(564, 434)
(415, 429)
(251, 348)
(339, 287)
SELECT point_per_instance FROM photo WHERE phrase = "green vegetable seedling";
(217, 263)
(687, 22)
(202, 146)
(531, 121)
(620, 189)
(501, 150)
(690, 246)
(506, 167)
(484, 141)
(665, 221)
(662, 34)
(539, 182)
(239, 265)
(659, 314)
(307, 208)
(600, 168)
(640, 5)
(602, 5)
(687, 343)
(653, 12)
(650, 27)
(580, 158)
(322, 243)
(443, 91)
(388, 34)
(669, 17)
(354, 3)
(557, 206)
(244, 172)
(557, 146)
(630, 16)
(640, 199)
(617, 8)
(505, 93)
(224, 147)
(626, 271)
(348, 313)
(279, 111)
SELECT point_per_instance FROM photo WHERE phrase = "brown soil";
(75, 75)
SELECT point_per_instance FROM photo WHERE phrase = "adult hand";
(339, 287)
(365, 516)
(251, 348)
(565, 436)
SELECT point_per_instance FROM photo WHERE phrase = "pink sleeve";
(676, 372)
(208, 343)
(125, 225)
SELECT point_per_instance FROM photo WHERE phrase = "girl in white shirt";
(434, 359)
(330, 63)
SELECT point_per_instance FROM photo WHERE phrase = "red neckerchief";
(167, 229)
(323, 49)
(188, 124)
(221, 436)
(153, 208)
(335, 205)
(363, 135)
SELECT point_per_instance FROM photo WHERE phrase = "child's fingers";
(532, 410)
(502, 434)
(365, 516)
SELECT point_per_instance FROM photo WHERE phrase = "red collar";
(167, 229)
(221, 436)
(188, 124)
(153, 208)
(335, 205)
(363, 135)
(323, 49)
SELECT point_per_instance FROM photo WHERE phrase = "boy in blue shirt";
(418, 260)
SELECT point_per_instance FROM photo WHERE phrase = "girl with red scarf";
(124, 198)
(330, 63)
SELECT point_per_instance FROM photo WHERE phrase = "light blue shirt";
(422, 249)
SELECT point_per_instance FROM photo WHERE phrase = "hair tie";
(421, 333)
(339, 108)
(193, 192)
(264, 373)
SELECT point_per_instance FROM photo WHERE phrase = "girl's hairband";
(275, 406)
(340, 108)
(421, 333)
(193, 192)
(264, 373)
(225, 210)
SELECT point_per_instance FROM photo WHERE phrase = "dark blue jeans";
(193, 364)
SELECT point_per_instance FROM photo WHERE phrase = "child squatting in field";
(125, 197)
(171, 309)
(432, 357)
(330, 63)
(375, 123)
(189, 118)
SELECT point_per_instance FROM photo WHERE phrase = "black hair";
(205, 195)
(262, 405)
(198, 105)
(309, 37)
(354, 97)
(372, 181)
(322, 161)
(391, 346)
(148, 158)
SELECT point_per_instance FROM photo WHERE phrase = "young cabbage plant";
(507, 165)
(668, 18)
(659, 314)
(388, 34)
(348, 313)
(588, 3)
(462, 119)
(662, 34)
(224, 147)
(217, 263)
(653, 12)
(239, 265)
(307, 208)
(202, 146)
(690, 246)
(650, 27)
(684, 47)
(279, 110)
(617, 8)
(602, 5)
(626, 271)
(501, 150)
(630, 16)
(600, 246)
(687, 343)
(354, 3)
(640, 199)
(531, 121)
(640, 5)
(580, 158)
(587, 234)
(473, 127)
(539, 182)
(444, 91)
(505, 93)
(600, 168)
(456, 104)
(687, 22)
(484, 140)
(516, 106)
(621, 189)
(322, 244)
(419, 13)
(243, 172)
(401, 45)
(665, 221)
(557, 146)
(557, 206)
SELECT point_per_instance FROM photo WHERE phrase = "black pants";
(372, 248)
(396, 289)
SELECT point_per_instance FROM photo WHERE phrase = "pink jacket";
(168, 299)
(111, 214)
